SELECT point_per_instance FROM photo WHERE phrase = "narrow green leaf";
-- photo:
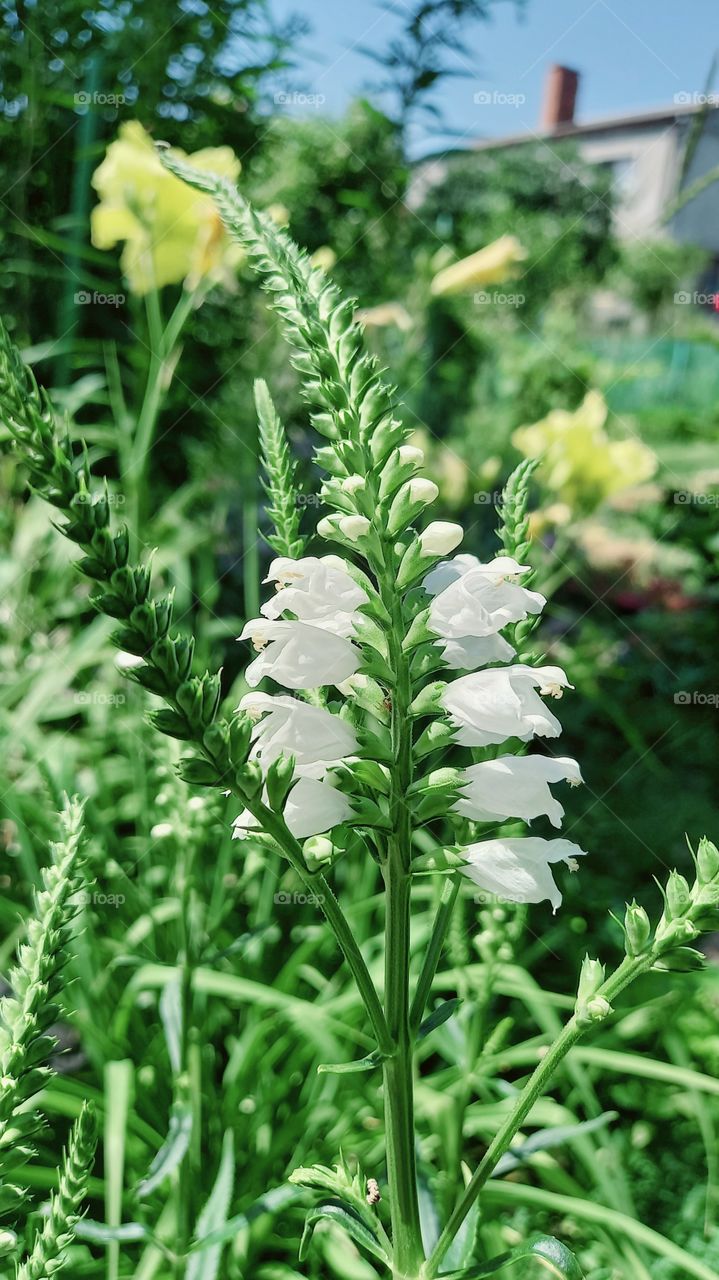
(441, 1014)
(349, 1068)
(551, 1257)
(173, 1150)
(205, 1265)
(344, 1217)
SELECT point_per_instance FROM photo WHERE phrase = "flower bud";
(409, 455)
(353, 484)
(707, 860)
(440, 537)
(678, 895)
(590, 979)
(637, 929)
(409, 501)
(8, 1242)
(280, 776)
(318, 852)
(353, 527)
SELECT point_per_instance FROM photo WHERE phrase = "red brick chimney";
(560, 96)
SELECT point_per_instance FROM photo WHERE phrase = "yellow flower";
(171, 232)
(579, 461)
(491, 265)
(324, 258)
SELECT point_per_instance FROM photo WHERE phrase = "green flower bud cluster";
(689, 911)
(193, 701)
(48, 1256)
(28, 1013)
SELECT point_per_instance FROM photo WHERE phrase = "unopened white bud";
(421, 490)
(440, 537)
(354, 527)
(353, 484)
(408, 454)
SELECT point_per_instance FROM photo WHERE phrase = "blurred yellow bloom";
(384, 315)
(324, 257)
(491, 265)
(579, 461)
(171, 232)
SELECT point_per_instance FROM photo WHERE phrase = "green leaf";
(99, 1233)
(551, 1257)
(205, 1264)
(173, 1150)
(346, 1218)
(348, 1068)
(440, 1015)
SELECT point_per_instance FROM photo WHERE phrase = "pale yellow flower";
(384, 315)
(491, 265)
(324, 258)
(171, 231)
(579, 461)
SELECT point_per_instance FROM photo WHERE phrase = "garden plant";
(399, 732)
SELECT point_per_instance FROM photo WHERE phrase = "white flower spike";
(516, 787)
(519, 870)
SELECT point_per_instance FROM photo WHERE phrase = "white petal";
(298, 655)
(515, 787)
(518, 870)
(314, 807)
(311, 734)
(471, 652)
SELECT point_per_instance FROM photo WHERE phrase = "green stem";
(319, 886)
(408, 1253)
(628, 970)
(162, 340)
(448, 897)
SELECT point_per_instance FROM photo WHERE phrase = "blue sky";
(631, 54)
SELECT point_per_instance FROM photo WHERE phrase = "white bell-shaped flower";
(474, 599)
(311, 734)
(312, 807)
(298, 655)
(487, 707)
(515, 787)
(318, 590)
(519, 870)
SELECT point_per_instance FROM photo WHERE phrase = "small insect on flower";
(373, 1191)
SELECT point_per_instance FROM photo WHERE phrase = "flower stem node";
(637, 930)
(594, 1011)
